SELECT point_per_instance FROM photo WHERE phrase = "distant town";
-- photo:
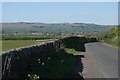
(41, 34)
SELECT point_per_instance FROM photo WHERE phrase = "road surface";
(101, 61)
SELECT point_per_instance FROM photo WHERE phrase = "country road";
(101, 61)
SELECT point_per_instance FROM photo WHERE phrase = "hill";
(57, 28)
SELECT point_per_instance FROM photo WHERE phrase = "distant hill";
(53, 27)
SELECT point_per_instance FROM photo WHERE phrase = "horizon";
(59, 23)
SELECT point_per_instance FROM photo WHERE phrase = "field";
(26, 37)
(11, 44)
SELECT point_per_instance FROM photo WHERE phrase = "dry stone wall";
(16, 63)
(20, 62)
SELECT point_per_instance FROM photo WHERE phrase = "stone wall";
(16, 63)
(47, 59)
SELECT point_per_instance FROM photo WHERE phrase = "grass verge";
(113, 42)
(71, 51)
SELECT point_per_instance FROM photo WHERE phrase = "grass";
(11, 44)
(71, 51)
(26, 37)
(112, 36)
(113, 41)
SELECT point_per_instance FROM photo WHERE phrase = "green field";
(8, 37)
(11, 44)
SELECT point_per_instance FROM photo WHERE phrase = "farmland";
(12, 44)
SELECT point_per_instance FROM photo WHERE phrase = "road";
(101, 61)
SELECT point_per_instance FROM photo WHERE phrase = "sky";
(60, 12)
(59, 0)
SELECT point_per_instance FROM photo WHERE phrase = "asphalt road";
(101, 61)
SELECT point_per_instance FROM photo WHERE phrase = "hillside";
(68, 28)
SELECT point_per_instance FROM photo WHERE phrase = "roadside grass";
(112, 36)
(113, 42)
(71, 51)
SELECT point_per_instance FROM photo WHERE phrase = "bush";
(77, 43)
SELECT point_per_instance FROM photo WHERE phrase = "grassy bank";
(113, 41)
(112, 37)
